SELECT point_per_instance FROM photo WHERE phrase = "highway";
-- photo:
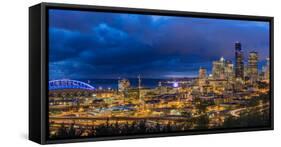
(236, 112)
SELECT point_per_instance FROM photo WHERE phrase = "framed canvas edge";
(44, 68)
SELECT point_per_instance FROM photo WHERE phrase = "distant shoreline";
(145, 82)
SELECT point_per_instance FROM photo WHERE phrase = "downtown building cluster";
(233, 77)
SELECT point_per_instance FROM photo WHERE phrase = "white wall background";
(14, 71)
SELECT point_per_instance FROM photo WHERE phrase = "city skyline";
(108, 45)
(114, 74)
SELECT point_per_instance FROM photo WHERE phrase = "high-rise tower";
(218, 69)
(239, 64)
(267, 70)
(202, 73)
(222, 69)
(252, 69)
(202, 76)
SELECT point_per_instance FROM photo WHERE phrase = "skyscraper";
(222, 69)
(202, 73)
(267, 70)
(202, 76)
(239, 64)
(218, 69)
(252, 68)
(229, 70)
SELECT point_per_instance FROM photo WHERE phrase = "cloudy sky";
(89, 45)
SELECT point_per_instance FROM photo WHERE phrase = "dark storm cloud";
(107, 45)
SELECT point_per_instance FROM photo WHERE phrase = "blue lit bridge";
(69, 84)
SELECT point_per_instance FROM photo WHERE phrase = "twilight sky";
(89, 45)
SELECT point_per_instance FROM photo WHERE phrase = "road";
(236, 112)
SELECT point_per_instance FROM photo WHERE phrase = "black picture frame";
(38, 69)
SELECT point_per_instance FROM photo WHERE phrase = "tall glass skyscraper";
(239, 63)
